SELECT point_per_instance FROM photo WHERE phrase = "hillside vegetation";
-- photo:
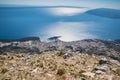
(57, 66)
(78, 60)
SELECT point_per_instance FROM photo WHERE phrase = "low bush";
(60, 72)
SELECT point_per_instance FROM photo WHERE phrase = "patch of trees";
(52, 48)
(69, 47)
(16, 49)
(22, 39)
(54, 38)
(80, 49)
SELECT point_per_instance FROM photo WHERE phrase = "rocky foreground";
(31, 59)
(57, 65)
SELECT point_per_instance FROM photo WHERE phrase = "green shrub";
(117, 72)
(60, 72)
(4, 70)
(61, 53)
(82, 71)
(78, 74)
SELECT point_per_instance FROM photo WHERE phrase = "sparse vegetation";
(117, 71)
(60, 72)
(3, 70)
(52, 66)
(61, 53)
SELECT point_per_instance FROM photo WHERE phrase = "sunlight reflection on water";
(66, 11)
(70, 31)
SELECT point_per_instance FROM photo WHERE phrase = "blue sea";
(70, 23)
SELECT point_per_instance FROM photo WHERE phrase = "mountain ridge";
(105, 12)
(108, 48)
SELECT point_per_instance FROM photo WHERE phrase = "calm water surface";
(22, 22)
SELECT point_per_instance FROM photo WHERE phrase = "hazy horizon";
(114, 4)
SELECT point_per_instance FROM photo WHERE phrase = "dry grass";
(50, 66)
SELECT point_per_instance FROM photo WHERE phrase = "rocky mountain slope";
(78, 60)
(108, 48)
(57, 66)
